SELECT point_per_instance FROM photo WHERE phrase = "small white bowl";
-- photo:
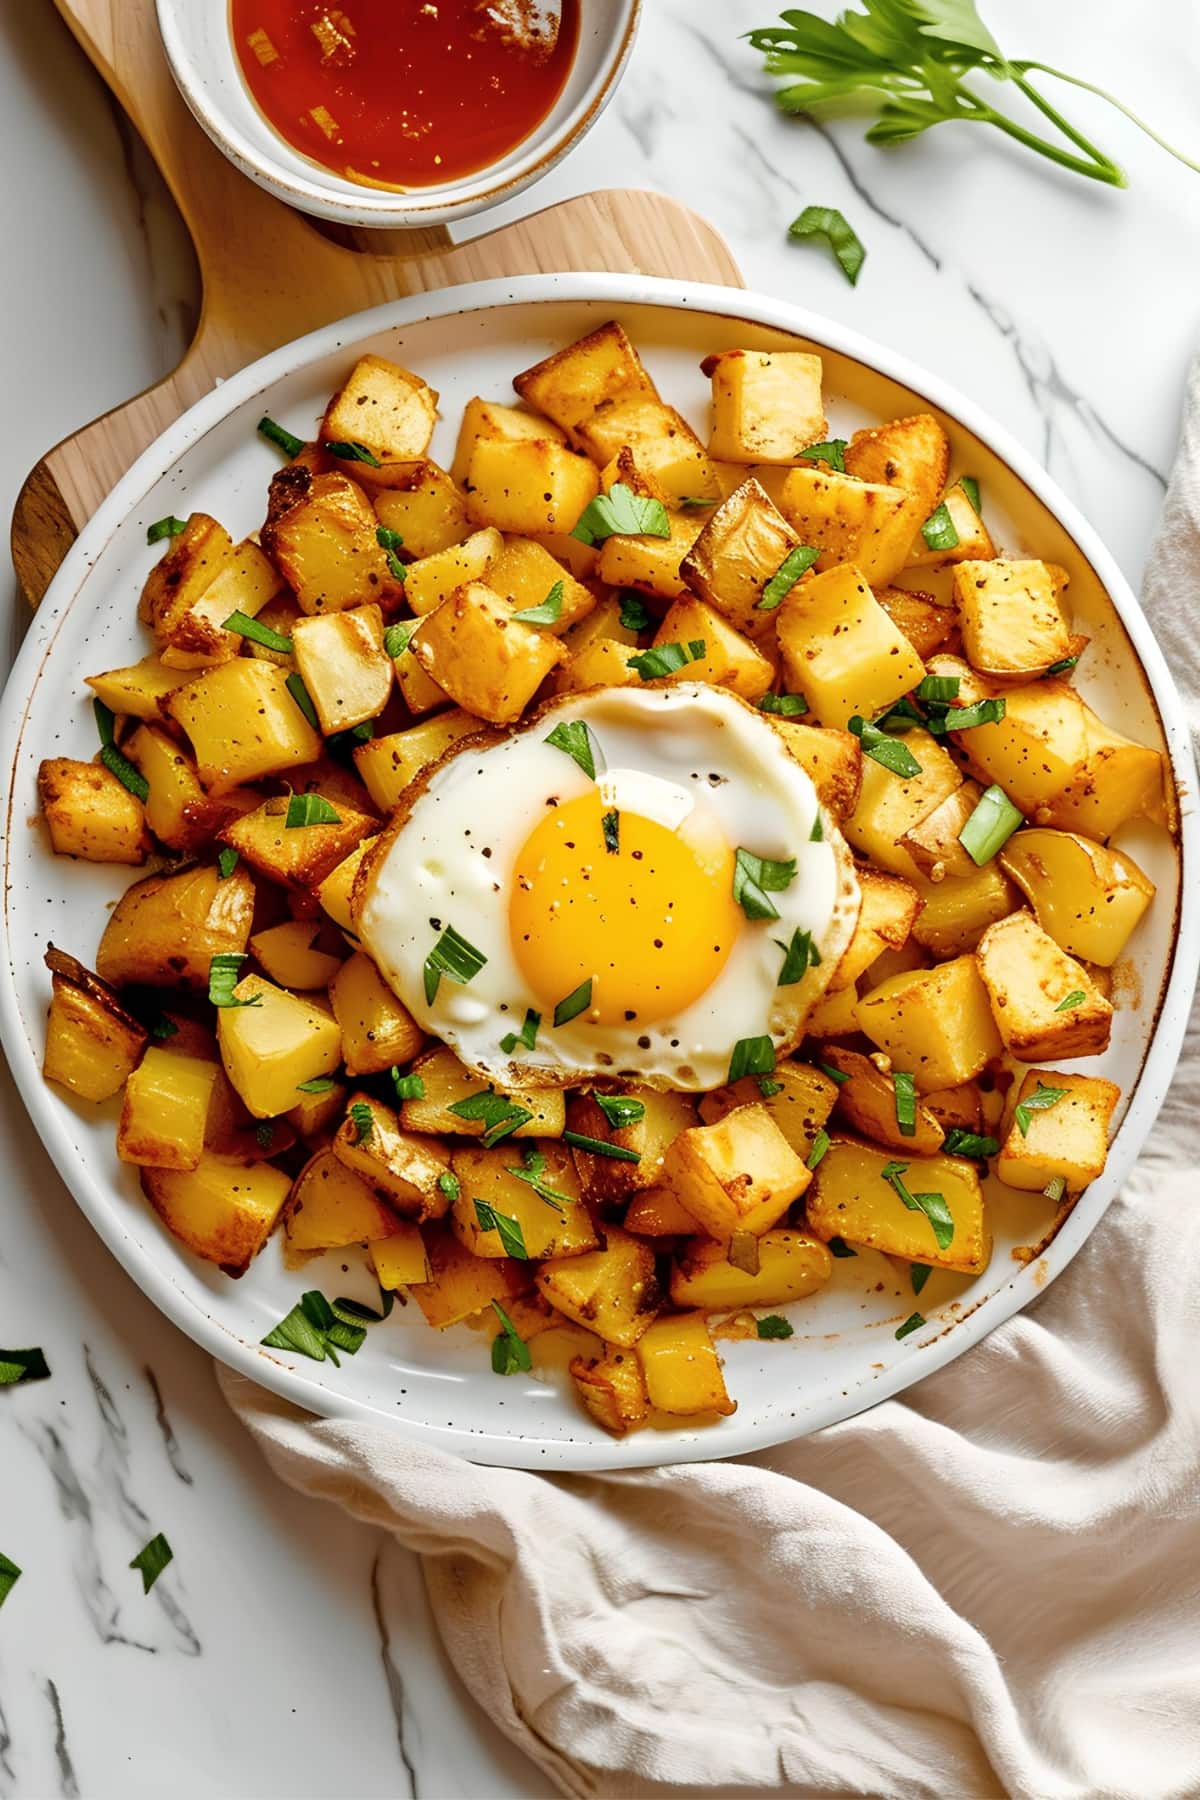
(200, 49)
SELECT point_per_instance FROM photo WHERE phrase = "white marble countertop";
(258, 1666)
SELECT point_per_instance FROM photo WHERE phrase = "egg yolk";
(650, 924)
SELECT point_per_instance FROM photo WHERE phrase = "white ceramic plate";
(844, 1355)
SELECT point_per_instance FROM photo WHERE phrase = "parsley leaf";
(346, 452)
(112, 758)
(389, 542)
(534, 1163)
(408, 1087)
(309, 809)
(795, 564)
(832, 454)
(798, 957)
(622, 513)
(820, 1147)
(164, 528)
(510, 1352)
(787, 706)
(610, 825)
(932, 1205)
(913, 1323)
(227, 862)
(620, 1110)
(666, 659)
(548, 613)
(575, 739)
(905, 1090)
(152, 1560)
(755, 878)
(499, 1115)
(774, 1326)
(969, 1143)
(363, 1121)
(512, 1238)
(574, 1003)
(1072, 1000)
(1040, 1101)
(939, 530)
(223, 978)
(634, 614)
(891, 752)
(244, 626)
(752, 1056)
(453, 957)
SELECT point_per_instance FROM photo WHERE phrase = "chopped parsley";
(510, 1352)
(906, 1103)
(408, 1087)
(796, 563)
(348, 452)
(389, 542)
(288, 443)
(798, 957)
(892, 753)
(620, 1109)
(548, 613)
(223, 978)
(622, 513)
(1040, 1101)
(666, 659)
(752, 1056)
(117, 764)
(932, 1205)
(152, 1560)
(499, 1115)
(574, 738)
(939, 530)
(453, 957)
(756, 878)
(574, 1003)
(309, 809)
(512, 1238)
(832, 454)
(774, 1326)
(164, 528)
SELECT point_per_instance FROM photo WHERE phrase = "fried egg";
(589, 863)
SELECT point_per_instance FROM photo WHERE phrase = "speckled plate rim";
(924, 1352)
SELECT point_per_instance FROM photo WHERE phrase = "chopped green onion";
(1055, 1188)
(795, 564)
(938, 689)
(298, 1333)
(918, 1274)
(10, 1574)
(755, 878)
(246, 627)
(774, 1326)
(965, 718)
(500, 1115)
(300, 694)
(1072, 1000)
(838, 1075)
(906, 1103)
(597, 1147)
(817, 834)
(510, 1352)
(357, 453)
(839, 1247)
(970, 488)
(320, 1084)
(932, 1205)
(512, 1238)
(768, 1088)
(634, 614)
(309, 809)
(939, 530)
(901, 717)
(164, 528)
(227, 862)
(820, 1145)
(1063, 667)
(786, 706)
(450, 1185)
(408, 1087)
(832, 454)
(990, 826)
(574, 738)
(223, 978)
(752, 1056)
(888, 751)
(396, 637)
(969, 1143)
(798, 957)
(620, 1110)
(389, 542)
(111, 757)
(622, 513)
(291, 446)
(610, 825)
(526, 1037)
(1040, 1101)
(356, 1313)
(828, 223)
(23, 1365)
(574, 1003)
(913, 1323)
(548, 613)
(363, 1121)
(533, 1166)
(666, 659)
(152, 1560)
(453, 957)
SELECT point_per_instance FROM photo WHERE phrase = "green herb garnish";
(548, 613)
(918, 1274)
(10, 1574)
(1039, 1101)
(913, 1323)
(1072, 1000)
(574, 1003)
(111, 757)
(355, 453)
(363, 1121)
(510, 1352)
(798, 957)
(752, 1056)
(970, 488)
(756, 878)
(990, 826)
(246, 627)
(164, 528)
(820, 1145)
(453, 957)
(768, 1088)
(666, 659)
(837, 1246)
(152, 1560)
(906, 1103)
(610, 825)
(634, 614)
(408, 1087)
(838, 1075)
(597, 1147)
(512, 1238)
(223, 978)
(1063, 667)
(694, 502)
(939, 530)
(786, 706)
(574, 738)
(22, 1365)
(932, 1205)
(938, 690)
(227, 862)
(795, 564)
(389, 542)
(499, 1115)
(449, 1184)
(620, 1110)
(534, 1165)
(264, 1133)
(526, 1037)
(291, 446)
(309, 809)
(396, 637)
(891, 752)
(622, 513)
(828, 223)
(320, 1084)
(774, 1326)
(966, 718)
(832, 454)
(969, 1143)
(300, 694)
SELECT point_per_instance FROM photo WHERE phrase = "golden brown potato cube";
(325, 545)
(612, 1291)
(177, 810)
(1010, 618)
(1088, 898)
(607, 1179)
(729, 660)
(424, 505)
(973, 540)
(650, 564)
(279, 614)
(570, 385)
(243, 723)
(294, 954)
(299, 856)
(1067, 1141)
(182, 573)
(612, 1389)
(526, 575)
(195, 637)
(598, 650)
(767, 405)
(419, 693)
(653, 1212)
(408, 1169)
(316, 1114)
(164, 931)
(739, 1174)
(528, 486)
(866, 1100)
(272, 1042)
(840, 649)
(1117, 780)
(400, 1260)
(831, 759)
(851, 1198)
(459, 1284)
(342, 660)
(886, 917)
(936, 1024)
(662, 442)
(435, 577)
(912, 454)
(791, 1265)
(798, 1097)
(486, 660)
(223, 1211)
(890, 805)
(956, 911)
(388, 764)
(377, 1031)
(558, 1226)
(90, 814)
(332, 1207)
(1044, 1002)
(934, 842)
(138, 690)
(834, 1015)
(92, 1043)
(164, 1110)
(682, 1368)
(925, 623)
(501, 424)
(336, 892)
(848, 521)
(447, 1083)
(742, 544)
(388, 411)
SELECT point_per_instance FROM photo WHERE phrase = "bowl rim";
(942, 1341)
(324, 196)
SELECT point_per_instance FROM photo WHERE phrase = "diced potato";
(974, 539)
(388, 411)
(934, 841)
(867, 1102)
(273, 1042)
(798, 1097)
(559, 1228)
(298, 856)
(419, 693)
(321, 534)
(935, 1023)
(526, 574)
(851, 1199)
(1088, 898)
(742, 545)
(849, 521)
(377, 1031)
(897, 962)
(890, 805)
(925, 624)
(606, 1179)
(791, 1265)
(729, 659)
(1010, 618)
(1067, 1141)
(1045, 1003)
(569, 385)
(834, 1015)
(740, 1174)
(611, 1291)
(767, 405)
(485, 659)
(281, 615)
(458, 1284)
(528, 485)
(612, 1389)
(956, 911)
(388, 764)
(597, 649)
(243, 723)
(886, 916)
(400, 1260)
(293, 955)
(435, 577)
(332, 1207)
(653, 1212)
(92, 1043)
(90, 814)
(336, 892)
(912, 454)
(682, 1368)
(840, 649)
(182, 573)
(408, 1168)
(650, 564)
(315, 1114)
(164, 1110)
(831, 759)
(195, 638)
(661, 441)
(1118, 780)
(177, 810)
(447, 1082)
(341, 658)
(423, 504)
(223, 1211)
(164, 931)
(501, 424)
(960, 1107)
(139, 690)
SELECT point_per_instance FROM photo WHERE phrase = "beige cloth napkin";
(989, 1586)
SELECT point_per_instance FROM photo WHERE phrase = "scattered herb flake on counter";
(574, 1003)
(22, 1365)
(164, 528)
(309, 809)
(620, 1109)
(548, 613)
(798, 957)
(526, 1037)
(300, 694)
(510, 1352)
(290, 445)
(913, 1323)
(939, 530)
(512, 1238)
(227, 862)
(828, 223)
(152, 1560)
(598, 1147)
(622, 513)
(1039, 1101)
(111, 757)
(666, 659)
(575, 739)
(832, 454)
(755, 878)
(990, 826)
(408, 1087)
(453, 957)
(357, 453)
(775, 1326)
(10, 1574)
(223, 976)
(752, 1056)
(891, 752)
(389, 542)
(905, 1090)
(244, 626)
(796, 563)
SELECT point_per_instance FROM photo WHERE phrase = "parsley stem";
(1090, 87)
(1096, 166)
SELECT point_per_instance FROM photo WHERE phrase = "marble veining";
(283, 1632)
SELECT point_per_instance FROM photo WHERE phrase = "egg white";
(450, 862)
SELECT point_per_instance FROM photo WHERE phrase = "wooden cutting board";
(269, 274)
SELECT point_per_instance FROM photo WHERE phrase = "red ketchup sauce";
(405, 93)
